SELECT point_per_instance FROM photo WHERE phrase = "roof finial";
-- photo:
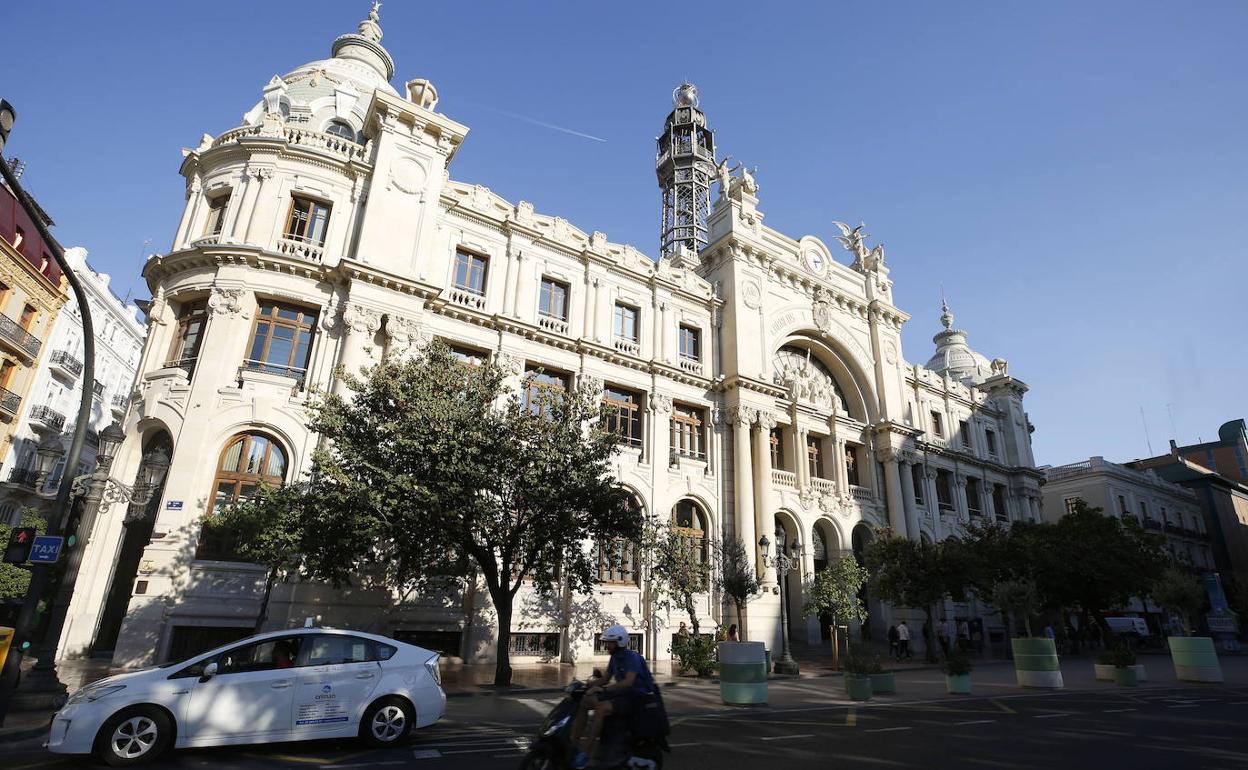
(946, 318)
(371, 27)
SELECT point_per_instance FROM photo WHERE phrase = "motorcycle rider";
(616, 693)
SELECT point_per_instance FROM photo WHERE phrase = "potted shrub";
(1105, 664)
(858, 670)
(957, 669)
(1035, 658)
(1123, 659)
(881, 681)
(1195, 658)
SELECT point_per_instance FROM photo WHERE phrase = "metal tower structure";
(685, 165)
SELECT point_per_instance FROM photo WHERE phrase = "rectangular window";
(990, 438)
(189, 333)
(1143, 511)
(308, 221)
(626, 322)
(281, 340)
(543, 388)
(470, 272)
(688, 427)
(851, 466)
(216, 214)
(634, 643)
(622, 414)
(998, 503)
(467, 356)
(814, 457)
(690, 343)
(964, 428)
(615, 562)
(974, 503)
(553, 301)
(1072, 503)
(776, 439)
(944, 490)
(29, 313)
(938, 428)
(530, 644)
(4, 295)
(918, 478)
(1122, 506)
(7, 368)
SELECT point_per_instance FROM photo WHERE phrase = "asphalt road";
(1155, 727)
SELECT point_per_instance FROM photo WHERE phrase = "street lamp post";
(783, 564)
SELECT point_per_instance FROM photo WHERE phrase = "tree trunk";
(740, 621)
(264, 602)
(929, 654)
(502, 659)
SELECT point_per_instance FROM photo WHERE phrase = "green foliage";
(1179, 593)
(695, 652)
(835, 591)
(14, 578)
(1018, 597)
(914, 573)
(737, 576)
(957, 664)
(428, 465)
(676, 568)
(860, 663)
(1119, 655)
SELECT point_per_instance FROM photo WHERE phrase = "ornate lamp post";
(783, 564)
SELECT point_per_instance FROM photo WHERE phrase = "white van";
(1135, 626)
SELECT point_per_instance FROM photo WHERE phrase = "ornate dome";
(331, 94)
(954, 356)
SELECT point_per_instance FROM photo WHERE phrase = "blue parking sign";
(47, 549)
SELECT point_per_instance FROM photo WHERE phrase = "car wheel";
(134, 736)
(387, 722)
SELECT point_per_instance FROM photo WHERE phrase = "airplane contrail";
(543, 123)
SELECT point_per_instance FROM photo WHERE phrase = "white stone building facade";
(51, 407)
(764, 381)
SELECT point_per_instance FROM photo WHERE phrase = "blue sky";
(1072, 173)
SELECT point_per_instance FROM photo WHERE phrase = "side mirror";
(210, 671)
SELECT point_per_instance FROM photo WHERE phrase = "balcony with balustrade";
(862, 494)
(26, 478)
(10, 403)
(785, 479)
(65, 364)
(46, 418)
(338, 147)
(468, 298)
(294, 246)
(119, 404)
(17, 339)
(691, 365)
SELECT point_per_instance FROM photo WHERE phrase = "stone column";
(959, 497)
(762, 482)
(517, 303)
(249, 234)
(907, 499)
(801, 464)
(743, 473)
(509, 296)
(183, 234)
(892, 482)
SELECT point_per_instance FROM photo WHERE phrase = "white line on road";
(480, 751)
(974, 722)
(426, 754)
(681, 745)
(786, 737)
(1050, 716)
(364, 764)
(887, 729)
(542, 707)
(1116, 711)
(1184, 706)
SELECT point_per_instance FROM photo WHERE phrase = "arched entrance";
(861, 538)
(788, 541)
(137, 534)
(825, 546)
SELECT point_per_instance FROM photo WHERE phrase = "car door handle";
(282, 685)
(180, 692)
(365, 675)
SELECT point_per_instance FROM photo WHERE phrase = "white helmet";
(617, 634)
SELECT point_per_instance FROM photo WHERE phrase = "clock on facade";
(815, 260)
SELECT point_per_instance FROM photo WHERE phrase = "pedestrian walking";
(963, 635)
(942, 636)
(903, 640)
(893, 642)
(733, 636)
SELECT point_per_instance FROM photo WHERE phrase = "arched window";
(248, 462)
(689, 525)
(618, 559)
(342, 128)
(819, 547)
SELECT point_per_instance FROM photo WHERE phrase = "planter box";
(858, 687)
(1125, 676)
(1105, 672)
(882, 683)
(743, 673)
(1195, 659)
(1036, 664)
(959, 684)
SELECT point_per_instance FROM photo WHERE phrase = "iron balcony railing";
(185, 364)
(24, 477)
(294, 372)
(48, 416)
(121, 401)
(67, 362)
(10, 402)
(13, 332)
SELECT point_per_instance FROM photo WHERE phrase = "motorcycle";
(618, 746)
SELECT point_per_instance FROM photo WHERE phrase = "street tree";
(736, 576)
(1179, 593)
(430, 467)
(1017, 597)
(909, 573)
(677, 571)
(836, 591)
(15, 578)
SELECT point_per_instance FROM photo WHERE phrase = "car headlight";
(92, 694)
(556, 727)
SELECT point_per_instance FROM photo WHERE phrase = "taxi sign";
(47, 549)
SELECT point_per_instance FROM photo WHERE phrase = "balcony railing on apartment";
(10, 402)
(47, 417)
(294, 372)
(24, 477)
(1152, 524)
(185, 364)
(12, 332)
(66, 362)
(862, 494)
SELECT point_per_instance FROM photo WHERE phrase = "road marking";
(1116, 711)
(680, 745)
(785, 737)
(851, 717)
(426, 754)
(1051, 716)
(1184, 706)
(887, 729)
(540, 706)
(1002, 706)
(479, 751)
(290, 758)
(974, 722)
(366, 764)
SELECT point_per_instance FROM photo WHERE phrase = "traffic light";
(7, 116)
(20, 541)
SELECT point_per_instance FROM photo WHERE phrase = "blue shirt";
(625, 661)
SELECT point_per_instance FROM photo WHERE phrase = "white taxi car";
(282, 686)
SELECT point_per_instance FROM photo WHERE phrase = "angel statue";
(747, 180)
(852, 239)
(724, 175)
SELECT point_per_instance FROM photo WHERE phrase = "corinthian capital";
(361, 319)
(743, 415)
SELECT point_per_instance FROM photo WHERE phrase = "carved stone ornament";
(742, 415)
(807, 384)
(822, 310)
(407, 175)
(402, 332)
(890, 352)
(226, 302)
(751, 295)
(592, 382)
(360, 319)
(1000, 366)
(766, 420)
(512, 365)
(660, 402)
